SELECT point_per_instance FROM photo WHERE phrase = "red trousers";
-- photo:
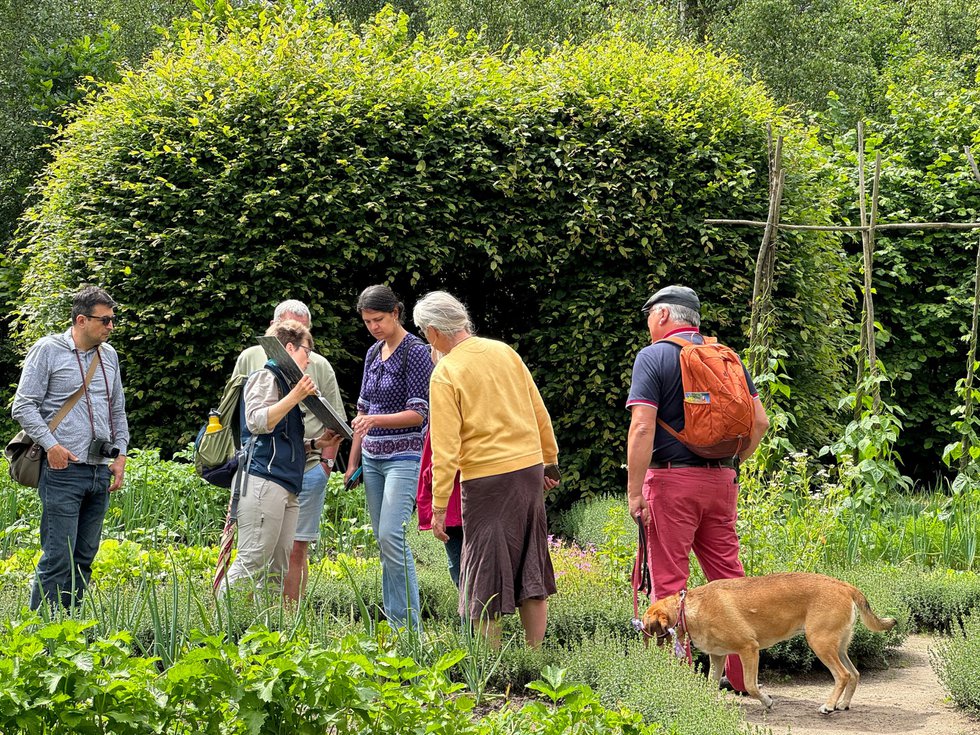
(693, 509)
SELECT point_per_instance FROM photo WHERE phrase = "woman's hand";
(363, 423)
(303, 388)
(439, 525)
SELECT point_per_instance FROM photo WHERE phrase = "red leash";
(642, 582)
(682, 651)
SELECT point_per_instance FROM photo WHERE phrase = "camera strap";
(86, 379)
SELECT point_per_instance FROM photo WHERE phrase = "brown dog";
(745, 615)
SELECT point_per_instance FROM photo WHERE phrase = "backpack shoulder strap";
(408, 348)
(412, 344)
(678, 341)
(682, 343)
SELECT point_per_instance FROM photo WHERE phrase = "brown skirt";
(505, 544)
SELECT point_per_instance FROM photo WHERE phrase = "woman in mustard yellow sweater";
(488, 420)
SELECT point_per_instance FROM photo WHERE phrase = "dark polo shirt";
(657, 382)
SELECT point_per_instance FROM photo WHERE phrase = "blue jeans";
(389, 486)
(73, 505)
(311, 504)
(454, 551)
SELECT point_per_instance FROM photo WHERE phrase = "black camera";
(101, 448)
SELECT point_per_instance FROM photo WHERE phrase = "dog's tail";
(874, 623)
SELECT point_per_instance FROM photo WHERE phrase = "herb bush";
(603, 524)
(652, 682)
(954, 660)
(942, 600)
(278, 154)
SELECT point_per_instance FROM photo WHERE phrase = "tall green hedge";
(288, 156)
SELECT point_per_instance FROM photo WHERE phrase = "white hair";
(681, 314)
(291, 306)
(443, 312)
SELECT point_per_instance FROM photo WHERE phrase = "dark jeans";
(454, 550)
(73, 505)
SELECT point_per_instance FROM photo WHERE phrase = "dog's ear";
(655, 620)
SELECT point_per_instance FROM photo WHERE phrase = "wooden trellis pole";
(972, 352)
(765, 263)
(868, 348)
(761, 295)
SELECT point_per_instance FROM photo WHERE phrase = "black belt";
(730, 463)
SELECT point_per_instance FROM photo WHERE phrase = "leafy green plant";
(580, 711)
(55, 680)
(964, 454)
(871, 440)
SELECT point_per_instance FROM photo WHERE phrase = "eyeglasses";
(309, 350)
(106, 320)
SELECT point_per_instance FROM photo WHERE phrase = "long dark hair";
(381, 298)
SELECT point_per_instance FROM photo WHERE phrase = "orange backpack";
(718, 408)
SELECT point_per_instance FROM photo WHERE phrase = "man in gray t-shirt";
(319, 463)
(86, 454)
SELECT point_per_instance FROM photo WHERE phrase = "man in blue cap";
(684, 501)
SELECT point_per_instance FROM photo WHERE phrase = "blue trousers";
(389, 487)
(73, 505)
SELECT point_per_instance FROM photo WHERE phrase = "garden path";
(905, 698)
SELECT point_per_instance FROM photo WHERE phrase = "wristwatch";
(328, 461)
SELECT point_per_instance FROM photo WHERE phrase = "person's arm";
(444, 432)
(760, 425)
(277, 411)
(363, 423)
(262, 409)
(354, 458)
(639, 451)
(31, 390)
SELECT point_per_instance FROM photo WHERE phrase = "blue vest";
(280, 455)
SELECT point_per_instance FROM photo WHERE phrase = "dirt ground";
(906, 698)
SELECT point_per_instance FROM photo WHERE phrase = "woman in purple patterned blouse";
(389, 429)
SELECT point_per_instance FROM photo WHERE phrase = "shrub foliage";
(283, 155)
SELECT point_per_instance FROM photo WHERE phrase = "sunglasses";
(106, 320)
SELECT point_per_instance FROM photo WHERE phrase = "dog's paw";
(767, 701)
(825, 710)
